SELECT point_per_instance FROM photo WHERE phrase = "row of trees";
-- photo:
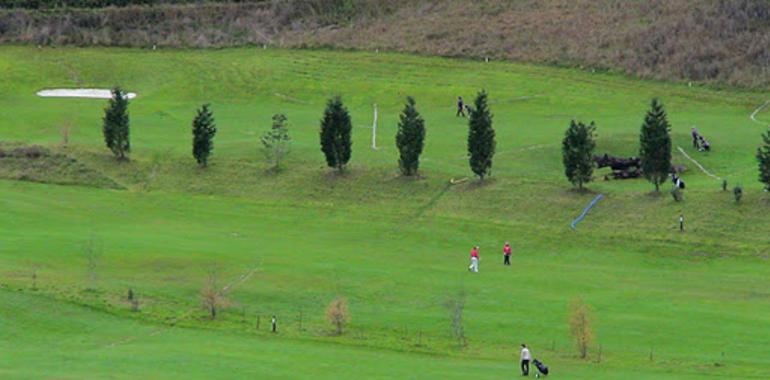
(654, 150)
(336, 140)
(335, 135)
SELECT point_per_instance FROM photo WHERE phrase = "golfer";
(460, 106)
(525, 358)
(474, 267)
(507, 254)
(695, 135)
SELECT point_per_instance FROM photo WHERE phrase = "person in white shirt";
(526, 357)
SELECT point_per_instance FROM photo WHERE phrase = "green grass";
(396, 248)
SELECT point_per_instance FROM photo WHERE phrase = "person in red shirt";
(474, 267)
(507, 254)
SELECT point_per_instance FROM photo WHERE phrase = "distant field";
(667, 305)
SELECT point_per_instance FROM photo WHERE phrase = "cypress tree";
(655, 145)
(410, 138)
(763, 156)
(335, 133)
(203, 129)
(577, 152)
(115, 124)
(481, 137)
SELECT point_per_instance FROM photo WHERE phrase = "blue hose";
(585, 211)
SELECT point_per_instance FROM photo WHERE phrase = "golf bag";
(542, 368)
(677, 181)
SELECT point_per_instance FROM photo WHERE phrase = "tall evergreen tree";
(763, 156)
(655, 145)
(115, 124)
(336, 128)
(481, 137)
(203, 129)
(577, 153)
(410, 138)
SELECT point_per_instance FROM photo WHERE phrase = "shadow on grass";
(475, 184)
(581, 191)
(432, 202)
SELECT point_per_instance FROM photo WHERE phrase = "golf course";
(80, 228)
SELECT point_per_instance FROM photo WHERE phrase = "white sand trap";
(94, 93)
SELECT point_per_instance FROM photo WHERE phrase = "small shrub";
(724, 185)
(580, 326)
(212, 298)
(456, 307)
(337, 314)
(276, 142)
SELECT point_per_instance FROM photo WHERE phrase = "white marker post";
(374, 128)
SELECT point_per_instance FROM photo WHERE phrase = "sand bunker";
(94, 93)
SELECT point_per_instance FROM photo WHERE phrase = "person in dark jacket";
(460, 106)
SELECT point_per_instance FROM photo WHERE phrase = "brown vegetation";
(580, 326)
(212, 297)
(337, 314)
(35, 163)
(712, 41)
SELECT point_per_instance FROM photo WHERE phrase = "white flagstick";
(374, 128)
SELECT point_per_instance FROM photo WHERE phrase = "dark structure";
(622, 168)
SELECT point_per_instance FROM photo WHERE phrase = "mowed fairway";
(666, 305)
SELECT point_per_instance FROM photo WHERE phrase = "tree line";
(336, 143)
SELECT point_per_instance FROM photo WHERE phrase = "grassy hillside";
(285, 244)
(720, 42)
